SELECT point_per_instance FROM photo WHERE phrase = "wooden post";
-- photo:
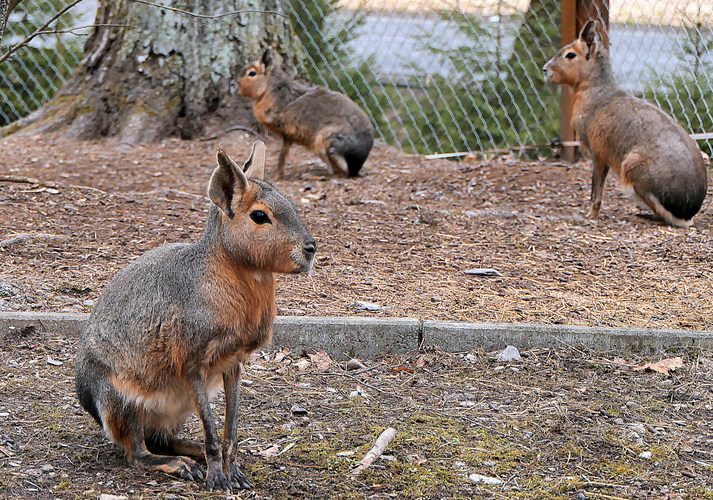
(575, 13)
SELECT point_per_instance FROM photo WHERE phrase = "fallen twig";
(28, 180)
(376, 451)
(25, 237)
(354, 378)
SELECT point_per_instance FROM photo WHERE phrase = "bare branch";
(227, 130)
(204, 16)
(42, 30)
(72, 30)
(38, 31)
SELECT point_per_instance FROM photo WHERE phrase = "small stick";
(28, 180)
(376, 451)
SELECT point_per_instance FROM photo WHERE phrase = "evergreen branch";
(42, 28)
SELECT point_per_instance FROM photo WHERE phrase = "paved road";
(398, 43)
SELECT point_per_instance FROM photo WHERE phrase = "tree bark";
(6, 7)
(162, 72)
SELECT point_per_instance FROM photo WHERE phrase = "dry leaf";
(421, 361)
(321, 359)
(282, 355)
(302, 364)
(272, 451)
(662, 366)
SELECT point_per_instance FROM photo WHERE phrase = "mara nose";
(309, 247)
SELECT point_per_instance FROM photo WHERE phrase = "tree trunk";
(6, 7)
(162, 73)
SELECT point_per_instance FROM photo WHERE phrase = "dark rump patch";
(683, 204)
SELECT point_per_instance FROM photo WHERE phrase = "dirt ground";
(567, 423)
(559, 424)
(401, 236)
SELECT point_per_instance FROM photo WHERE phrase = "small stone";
(470, 358)
(53, 362)
(298, 410)
(510, 353)
(638, 428)
(388, 458)
(288, 427)
(483, 272)
(6, 289)
(619, 421)
(478, 478)
(355, 364)
(369, 306)
(88, 302)
(47, 468)
(106, 496)
(632, 405)
(646, 455)
(345, 453)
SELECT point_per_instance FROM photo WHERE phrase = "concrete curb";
(343, 337)
(452, 336)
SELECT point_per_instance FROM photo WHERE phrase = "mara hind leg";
(662, 212)
(284, 151)
(123, 424)
(325, 159)
(171, 445)
(338, 164)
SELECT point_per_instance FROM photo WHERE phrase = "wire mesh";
(440, 75)
(35, 72)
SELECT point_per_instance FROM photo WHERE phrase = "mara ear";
(255, 166)
(227, 182)
(590, 36)
(267, 58)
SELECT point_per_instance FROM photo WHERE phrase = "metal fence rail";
(440, 76)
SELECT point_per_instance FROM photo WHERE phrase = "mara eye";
(571, 55)
(252, 72)
(260, 217)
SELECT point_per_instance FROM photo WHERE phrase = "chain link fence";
(34, 73)
(438, 76)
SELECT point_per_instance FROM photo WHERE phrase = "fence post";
(575, 13)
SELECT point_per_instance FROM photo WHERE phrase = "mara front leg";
(286, 145)
(231, 383)
(599, 175)
(215, 477)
